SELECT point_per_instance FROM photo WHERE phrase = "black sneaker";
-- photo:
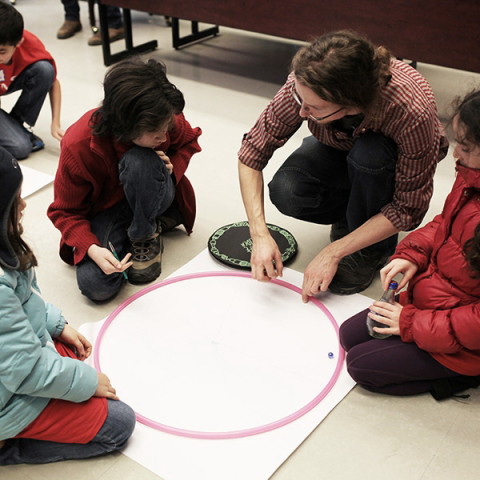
(37, 142)
(356, 272)
(147, 259)
(170, 218)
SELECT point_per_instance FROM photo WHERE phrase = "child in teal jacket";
(52, 405)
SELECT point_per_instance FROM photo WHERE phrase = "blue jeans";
(35, 82)
(113, 435)
(72, 12)
(320, 184)
(149, 191)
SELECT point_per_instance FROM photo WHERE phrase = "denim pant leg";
(371, 169)
(35, 81)
(148, 188)
(113, 435)
(312, 184)
(114, 17)
(13, 137)
(108, 226)
(72, 10)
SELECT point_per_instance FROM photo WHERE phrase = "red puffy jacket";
(441, 311)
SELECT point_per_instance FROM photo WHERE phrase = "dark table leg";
(108, 58)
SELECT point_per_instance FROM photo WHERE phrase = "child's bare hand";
(166, 160)
(398, 265)
(57, 132)
(387, 314)
(71, 337)
(104, 388)
(105, 259)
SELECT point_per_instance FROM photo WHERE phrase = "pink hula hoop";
(238, 433)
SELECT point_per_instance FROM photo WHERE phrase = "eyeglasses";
(300, 102)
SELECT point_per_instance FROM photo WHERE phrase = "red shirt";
(30, 51)
(406, 113)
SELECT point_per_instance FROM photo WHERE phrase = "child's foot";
(37, 142)
(147, 259)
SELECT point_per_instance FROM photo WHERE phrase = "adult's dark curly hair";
(344, 68)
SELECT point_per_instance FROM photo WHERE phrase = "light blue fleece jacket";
(31, 370)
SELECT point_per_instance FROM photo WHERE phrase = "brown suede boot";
(114, 34)
(69, 29)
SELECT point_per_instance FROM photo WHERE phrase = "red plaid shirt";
(406, 113)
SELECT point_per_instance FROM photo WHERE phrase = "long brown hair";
(24, 253)
(471, 250)
(343, 68)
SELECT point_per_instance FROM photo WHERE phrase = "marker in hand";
(115, 254)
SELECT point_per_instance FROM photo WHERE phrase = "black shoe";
(356, 272)
(37, 142)
(170, 219)
(339, 230)
(147, 259)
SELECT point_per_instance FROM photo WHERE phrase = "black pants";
(389, 365)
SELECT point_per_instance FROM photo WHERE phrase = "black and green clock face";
(232, 244)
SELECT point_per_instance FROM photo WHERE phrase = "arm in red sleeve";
(70, 208)
(442, 331)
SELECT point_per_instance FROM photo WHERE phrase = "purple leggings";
(389, 365)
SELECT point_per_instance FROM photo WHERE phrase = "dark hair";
(467, 112)
(24, 253)
(138, 99)
(344, 68)
(471, 250)
(11, 25)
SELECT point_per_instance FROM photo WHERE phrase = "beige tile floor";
(227, 81)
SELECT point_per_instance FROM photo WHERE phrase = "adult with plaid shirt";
(367, 169)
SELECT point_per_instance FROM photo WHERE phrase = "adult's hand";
(105, 259)
(266, 259)
(320, 272)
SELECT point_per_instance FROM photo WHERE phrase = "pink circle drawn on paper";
(238, 433)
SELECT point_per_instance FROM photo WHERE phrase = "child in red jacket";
(434, 343)
(121, 179)
(25, 66)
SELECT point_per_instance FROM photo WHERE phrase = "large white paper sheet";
(33, 180)
(239, 356)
